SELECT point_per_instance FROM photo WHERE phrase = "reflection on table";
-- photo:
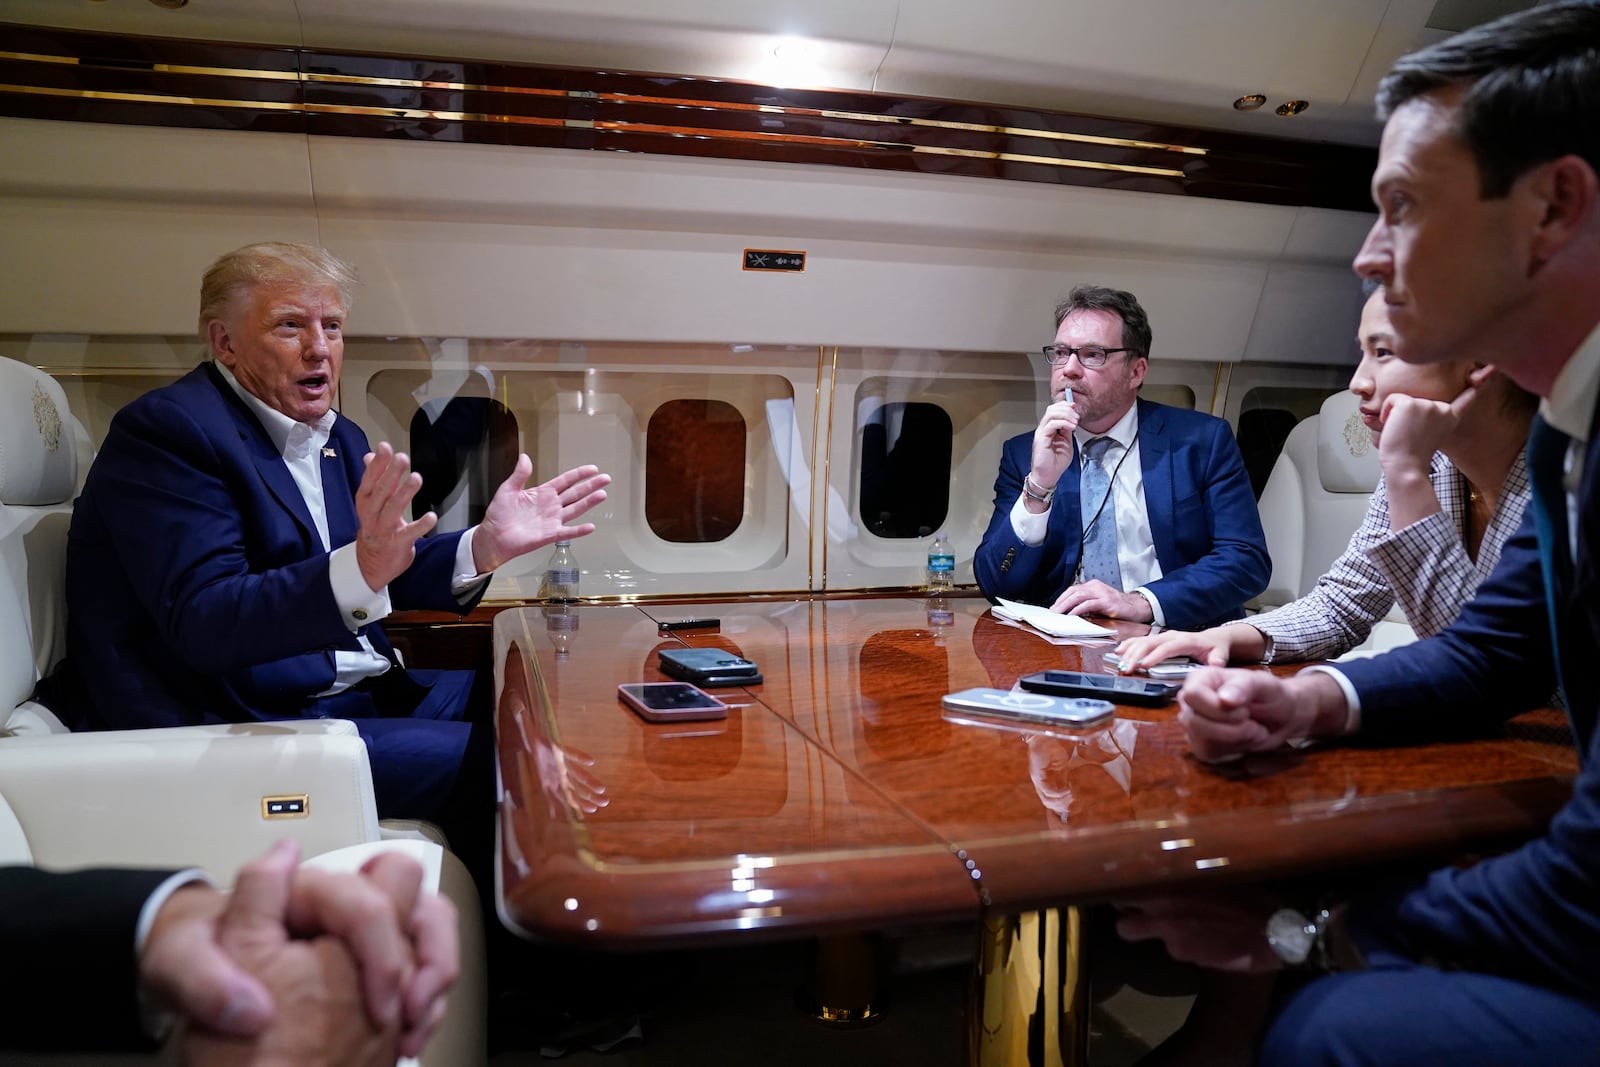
(837, 795)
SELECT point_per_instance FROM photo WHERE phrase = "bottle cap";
(568, 544)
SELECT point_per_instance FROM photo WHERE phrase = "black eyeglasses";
(1090, 357)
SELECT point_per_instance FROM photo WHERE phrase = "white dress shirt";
(1136, 547)
(301, 445)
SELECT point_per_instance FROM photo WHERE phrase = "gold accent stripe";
(628, 98)
(139, 66)
(603, 127)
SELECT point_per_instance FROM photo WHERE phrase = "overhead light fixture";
(795, 63)
(1292, 107)
(796, 50)
(1250, 102)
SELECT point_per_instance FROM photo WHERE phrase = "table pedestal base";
(1029, 1000)
(844, 988)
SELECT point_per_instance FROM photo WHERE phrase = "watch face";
(1291, 935)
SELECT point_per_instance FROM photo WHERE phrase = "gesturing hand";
(520, 519)
(386, 542)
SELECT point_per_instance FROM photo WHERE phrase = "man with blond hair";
(237, 543)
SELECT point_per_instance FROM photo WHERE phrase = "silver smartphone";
(1011, 705)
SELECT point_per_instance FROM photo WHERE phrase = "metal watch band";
(1033, 492)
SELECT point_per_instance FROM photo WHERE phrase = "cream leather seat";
(180, 797)
(1314, 501)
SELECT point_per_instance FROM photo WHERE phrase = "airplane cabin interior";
(783, 271)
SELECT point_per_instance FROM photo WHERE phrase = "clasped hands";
(302, 966)
(519, 518)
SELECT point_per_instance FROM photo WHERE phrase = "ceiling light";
(1250, 102)
(1293, 107)
(796, 50)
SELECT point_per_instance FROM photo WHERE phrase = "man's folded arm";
(1492, 663)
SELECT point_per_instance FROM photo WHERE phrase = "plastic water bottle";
(561, 622)
(561, 575)
(941, 565)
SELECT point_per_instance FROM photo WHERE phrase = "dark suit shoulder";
(1158, 417)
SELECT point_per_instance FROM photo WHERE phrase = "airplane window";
(1266, 415)
(463, 448)
(905, 468)
(694, 471)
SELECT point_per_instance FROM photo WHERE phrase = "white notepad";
(1050, 622)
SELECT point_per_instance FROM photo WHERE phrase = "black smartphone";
(690, 624)
(671, 702)
(711, 667)
(1117, 688)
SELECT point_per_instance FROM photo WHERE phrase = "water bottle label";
(941, 563)
(562, 576)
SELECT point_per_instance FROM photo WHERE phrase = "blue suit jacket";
(1533, 913)
(197, 588)
(1202, 511)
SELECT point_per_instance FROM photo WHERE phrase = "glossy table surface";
(837, 794)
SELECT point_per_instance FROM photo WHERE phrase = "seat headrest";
(1347, 460)
(38, 452)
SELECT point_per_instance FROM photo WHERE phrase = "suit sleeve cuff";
(1029, 528)
(359, 605)
(465, 581)
(1352, 714)
(156, 1021)
(1157, 616)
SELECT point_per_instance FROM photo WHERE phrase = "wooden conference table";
(837, 796)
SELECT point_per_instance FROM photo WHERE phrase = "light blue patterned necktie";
(1100, 539)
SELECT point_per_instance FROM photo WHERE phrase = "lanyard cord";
(1111, 487)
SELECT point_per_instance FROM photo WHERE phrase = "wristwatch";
(1297, 938)
(1032, 492)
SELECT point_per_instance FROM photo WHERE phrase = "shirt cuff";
(1029, 528)
(156, 1021)
(466, 579)
(1157, 618)
(357, 602)
(1352, 701)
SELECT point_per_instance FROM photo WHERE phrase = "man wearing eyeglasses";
(1119, 506)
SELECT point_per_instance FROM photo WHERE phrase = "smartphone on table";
(985, 706)
(671, 702)
(1118, 688)
(710, 667)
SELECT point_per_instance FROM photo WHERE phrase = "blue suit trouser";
(1399, 1013)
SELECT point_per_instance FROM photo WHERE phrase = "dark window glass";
(1266, 415)
(905, 469)
(694, 459)
(468, 445)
